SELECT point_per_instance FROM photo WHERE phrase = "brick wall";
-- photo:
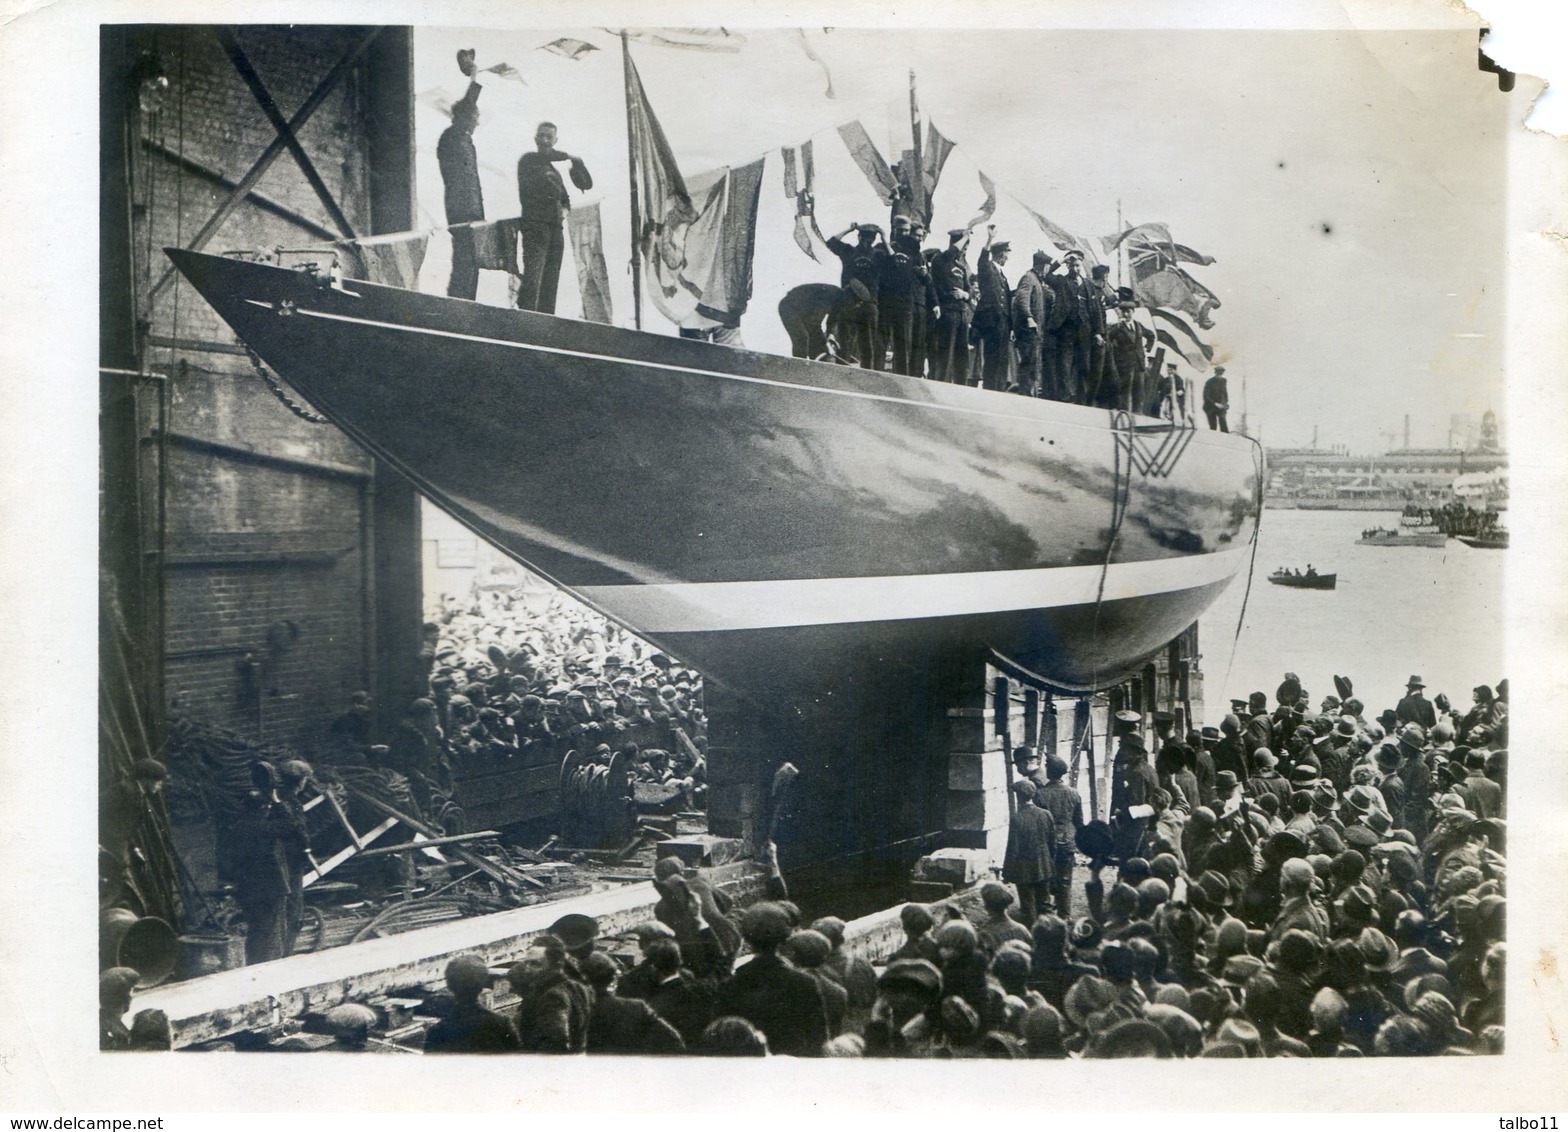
(266, 586)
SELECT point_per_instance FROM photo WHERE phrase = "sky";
(1350, 185)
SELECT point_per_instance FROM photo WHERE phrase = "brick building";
(261, 563)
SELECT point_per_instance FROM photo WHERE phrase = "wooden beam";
(345, 853)
(261, 201)
(269, 155)
(263, 96)
(430, 842)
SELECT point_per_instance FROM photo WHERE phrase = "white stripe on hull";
(695, 607)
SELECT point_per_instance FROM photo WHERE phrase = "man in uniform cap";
(1415, 707)
(861, 279)
(1216, 403)
(1072, 327)
(993, 313)
(950, 275)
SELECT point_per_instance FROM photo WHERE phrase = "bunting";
(393, 260)
(593, 278)
(938, 148)
(690, 39)
(495, 245)
(573, 49)
(805, 45)
(799, 181)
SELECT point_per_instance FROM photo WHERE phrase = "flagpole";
(631, 172)
(1121, 245)
(918, 180)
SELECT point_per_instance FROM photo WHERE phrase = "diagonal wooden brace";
(270, 154)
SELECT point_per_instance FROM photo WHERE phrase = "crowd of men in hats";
(509, 683)
(1297, 882)
(1057, 333)
(507, 687)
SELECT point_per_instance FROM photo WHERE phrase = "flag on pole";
(1174, 289)
(661, 192)
(1147, 235)
(393, 260)
(1193, 357)
(988, 209)
(1064, 240)
(936, 153)
(573, 49)
(1186, 329)
(593, 277)
(704, 267)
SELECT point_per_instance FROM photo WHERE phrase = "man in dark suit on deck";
(544, 201)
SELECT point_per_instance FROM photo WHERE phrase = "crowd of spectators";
(511, 682)
(1300, 883)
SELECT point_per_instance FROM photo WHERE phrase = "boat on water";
(1311, 580)
(783, 525)
(1497, 540)
(1404, 536)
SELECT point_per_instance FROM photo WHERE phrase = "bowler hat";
(1415, 682)
(1263, 759)
(1225, 780)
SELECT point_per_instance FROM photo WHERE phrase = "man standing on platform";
(1125, 361)
(992, 321)
(544, 202)
(950, 271)
(1216, 400)
(901, 297)
(861, 280)
(1071, 326)
(1033, 301)
(459, 164)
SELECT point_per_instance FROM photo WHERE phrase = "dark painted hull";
(779, 524)
(1492, 542)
